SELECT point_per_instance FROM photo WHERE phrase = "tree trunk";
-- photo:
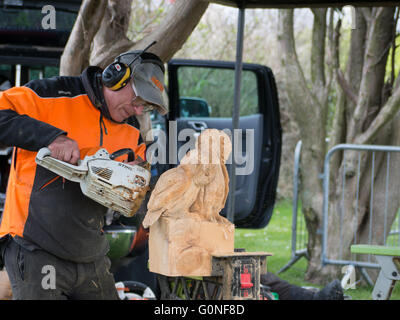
(306, 108)
(362, 116)
(362, 214)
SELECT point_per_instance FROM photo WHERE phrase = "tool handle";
(63, 169)
(120, 152)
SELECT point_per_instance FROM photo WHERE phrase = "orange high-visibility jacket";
(41, 207)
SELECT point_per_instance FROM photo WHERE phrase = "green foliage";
(389, 66)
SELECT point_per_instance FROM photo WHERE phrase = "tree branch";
(339, 120)
(355, 61)
(340, 78)
(332, 61)
(77, 49)
(170, 35)
(387, 113)
(374, 69)
(112, 31)
(304, 104)
(346, 86)
(318, 48)
(367, 14)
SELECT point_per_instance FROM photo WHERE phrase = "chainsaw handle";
(44, 152)
(63, 169)
(120, 152)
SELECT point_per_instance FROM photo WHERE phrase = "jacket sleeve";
(141, 151)
(20, 121)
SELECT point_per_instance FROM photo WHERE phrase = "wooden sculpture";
(183, 210)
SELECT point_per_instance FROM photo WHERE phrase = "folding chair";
(389, 260)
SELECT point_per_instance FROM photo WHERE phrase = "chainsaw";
(113, 184)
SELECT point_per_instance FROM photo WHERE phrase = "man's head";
(133, 84)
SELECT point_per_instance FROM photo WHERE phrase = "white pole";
(18, 75)
(236, 113)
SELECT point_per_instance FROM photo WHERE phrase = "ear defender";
(116, 76)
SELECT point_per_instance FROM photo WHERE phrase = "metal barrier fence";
(381, 205)
(299, 231)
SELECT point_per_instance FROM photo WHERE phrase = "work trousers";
(38, 275)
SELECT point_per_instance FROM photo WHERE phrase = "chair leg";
(383, 287)
(387, 278)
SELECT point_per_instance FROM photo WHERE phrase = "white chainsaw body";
(113, 184)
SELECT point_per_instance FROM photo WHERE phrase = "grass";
(276, 238)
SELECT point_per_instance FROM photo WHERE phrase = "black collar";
(91, 79)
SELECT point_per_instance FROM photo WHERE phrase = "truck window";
(209, 92)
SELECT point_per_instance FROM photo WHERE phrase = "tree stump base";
(184, 247)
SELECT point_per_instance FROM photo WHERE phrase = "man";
(5, 288)
(56, 247)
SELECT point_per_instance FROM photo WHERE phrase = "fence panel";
(299, 231)
(382, 157)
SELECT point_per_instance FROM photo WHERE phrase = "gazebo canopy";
(303, 3)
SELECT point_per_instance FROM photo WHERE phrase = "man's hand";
(65, 149)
